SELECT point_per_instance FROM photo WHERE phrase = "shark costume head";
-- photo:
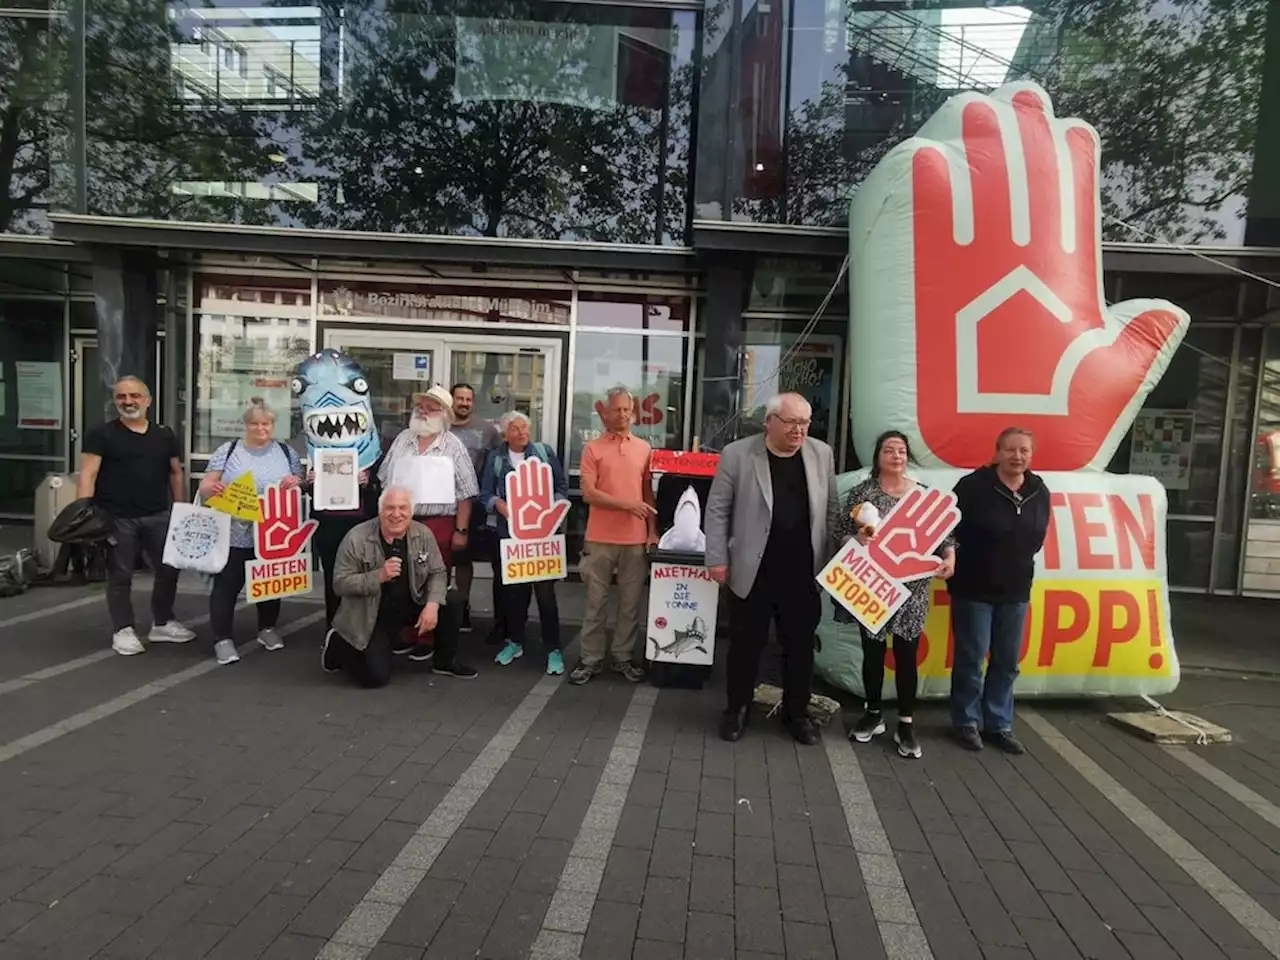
(336, 412)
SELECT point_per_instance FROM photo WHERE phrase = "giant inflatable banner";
(977, 304)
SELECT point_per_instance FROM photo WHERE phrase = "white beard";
(431, 426)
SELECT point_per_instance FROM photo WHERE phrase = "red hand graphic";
(533, 513)
(903, 546)
(281, 534)
(994, 213)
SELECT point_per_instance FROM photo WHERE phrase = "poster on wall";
(812, 370)
(39, 395)
(1161, 446)
(411, 366)
(230, 395)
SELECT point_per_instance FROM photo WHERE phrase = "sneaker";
(905, 738)
(402, 647)
(1006, 741)
(459, 670)
(328, 661)
(968, 738)
(421, 653)
(225, 652)
(465, 626)
(512, 651)
(170, 632)
(270, 640)
(871, 725)
(628, 671)
(126, 643)
(582, 673)
(555, 663)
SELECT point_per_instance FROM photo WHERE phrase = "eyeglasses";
(785, 421)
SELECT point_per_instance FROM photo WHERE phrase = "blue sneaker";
(555, 663)
(512, 651)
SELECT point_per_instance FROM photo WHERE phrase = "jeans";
(904, 674)
(982, 628)
(327, 539)
(796, 610)
(370, 667)
(134, 534)
(227, 584)
(599, 563)
(515, 599)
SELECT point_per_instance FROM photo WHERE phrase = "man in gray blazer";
(771, 514)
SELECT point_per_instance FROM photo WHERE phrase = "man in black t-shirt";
(132, 468)
(770, 517)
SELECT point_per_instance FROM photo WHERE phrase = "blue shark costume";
(337, 413)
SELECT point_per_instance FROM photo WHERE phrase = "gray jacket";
(355, 577)
(740, 508)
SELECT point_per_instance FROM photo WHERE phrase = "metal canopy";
(357, 245)
(22, 247)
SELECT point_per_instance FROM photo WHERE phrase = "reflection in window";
(1265, 503)
(802, 99)
(652, 368)
(633, 312)
(27, 98)
(240, 358)
(501, 385)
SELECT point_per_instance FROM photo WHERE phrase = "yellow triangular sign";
(238, 498)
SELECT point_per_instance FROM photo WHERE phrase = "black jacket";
(998, 537)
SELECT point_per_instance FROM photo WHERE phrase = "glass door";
(93, 401)
(507, 373)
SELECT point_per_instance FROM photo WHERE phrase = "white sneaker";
(171, 632)
(126, 643)
(270, 640)
(225, 651)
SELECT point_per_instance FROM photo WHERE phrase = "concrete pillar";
(727, 277)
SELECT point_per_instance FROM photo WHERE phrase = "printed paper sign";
(238, 498)
(39, 395)
(871, 581)
(411, 366)
(534, 551)
(682, 614)
(283, 565)
(337, 485)
(429, 477)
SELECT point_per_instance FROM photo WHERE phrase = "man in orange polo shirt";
(621, 524)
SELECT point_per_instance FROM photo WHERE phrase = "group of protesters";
(398, 574)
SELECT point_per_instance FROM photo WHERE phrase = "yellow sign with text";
(529, 561)
(276, 579)
(238, 498)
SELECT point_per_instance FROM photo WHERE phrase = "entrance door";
(93, 401)
(507, 373)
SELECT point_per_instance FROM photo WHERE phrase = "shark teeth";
(337, 425)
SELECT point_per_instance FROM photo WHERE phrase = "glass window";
(1177, 435)
(1239, 459)
(239, 358)
(1265, 492)
(28, 95)
(772, 363)
(630, 312)
(33, 398)
(652, 368)
(524, 118)
(801, 98)
(1190, 554)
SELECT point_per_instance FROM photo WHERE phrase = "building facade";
(548, 198)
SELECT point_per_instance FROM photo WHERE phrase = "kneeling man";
(390, 577)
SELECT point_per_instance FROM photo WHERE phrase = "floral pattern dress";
(908, 622)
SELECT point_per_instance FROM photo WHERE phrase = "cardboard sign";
(238, 498)
(528, 561)
(276, 579)
(686, 463)
(682, 614)
(534, 551)
(871, 581)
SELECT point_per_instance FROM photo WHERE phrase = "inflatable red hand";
(977, 292)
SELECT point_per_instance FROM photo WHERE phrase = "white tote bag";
(199, 538)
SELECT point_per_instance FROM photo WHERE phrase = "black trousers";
(227, 585)
(515, 600)
(327, 539)
(905, 677)
(795, 609)
(134, 535)
(371, 667)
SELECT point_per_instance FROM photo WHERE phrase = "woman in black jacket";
(1004, 516)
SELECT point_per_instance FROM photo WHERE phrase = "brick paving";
(248, 811)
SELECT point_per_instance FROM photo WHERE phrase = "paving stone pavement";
(268, 810)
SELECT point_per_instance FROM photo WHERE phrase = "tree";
(27, 63)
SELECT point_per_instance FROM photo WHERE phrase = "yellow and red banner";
(1098, 622)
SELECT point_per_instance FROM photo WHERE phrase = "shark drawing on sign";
(336, 410)
(685, 641)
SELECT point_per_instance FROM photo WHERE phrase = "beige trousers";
(598, 566)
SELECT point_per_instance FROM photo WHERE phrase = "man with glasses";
(770, 516)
